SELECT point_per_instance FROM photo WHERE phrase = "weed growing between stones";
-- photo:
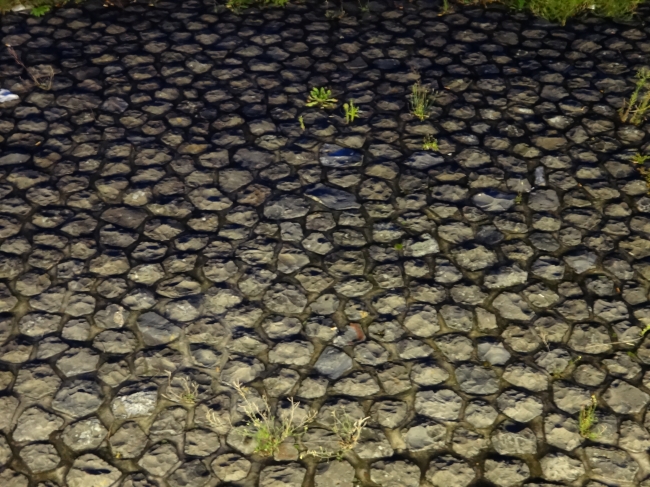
(634, 110)
(238, 6)
(560, 374)
(347, 430)
(267, 431)
(639, 158)
(301, 121)
(561, 10)
(351, 112)
(556, 10)
(43, 81)
(616, 9)
(587, 420)
(189, 391)
(321, 98)
(430, 143)
(40, 10)
(421, 101)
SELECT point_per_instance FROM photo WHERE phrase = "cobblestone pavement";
(167, 222)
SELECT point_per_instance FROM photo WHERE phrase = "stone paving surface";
(165, 220)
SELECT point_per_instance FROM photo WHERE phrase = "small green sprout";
(40, 10)
(430, 143)
(301, 121)
(645, 331)
(351, 111)
(322, 98)
(639, 158)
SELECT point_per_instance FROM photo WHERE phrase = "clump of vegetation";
(421, 101)
(267, 431)
(557, 10)
(587, 420)
(351, 111)
(617, 9)
(639, 158)
(561, 10)
(347, 430)
(321, 97)
(446, 8)
(43, 81)
(188, 394)
(634, 110)
(238, 6)
(645, 331)
(430, 143)
(40, 10)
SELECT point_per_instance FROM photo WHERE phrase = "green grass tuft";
(634, 110)
(421, 101)
(587, 420)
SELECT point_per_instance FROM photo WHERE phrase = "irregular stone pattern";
(172, 215)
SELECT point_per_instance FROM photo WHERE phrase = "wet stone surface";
(166, 220)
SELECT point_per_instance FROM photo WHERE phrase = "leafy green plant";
(421, 101)
(347, 430)
(587, 420)
(639, 158)
(634, 110)
(430, 143)
(398, 246)
(351, 111)
(40, 10)
(321, 97)
(301, 121)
